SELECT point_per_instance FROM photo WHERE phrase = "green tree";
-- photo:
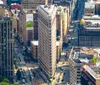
(94, 60)
(4, 83)
(29, 24)
(6, 80)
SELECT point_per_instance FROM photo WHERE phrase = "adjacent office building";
(65, 23)
(67, 3)
(89, 32)
(32, 4)
(34, 49)
(97, 8)
(26, 26)
(47, 38)
(22, 33)
(79, 9)
(62, 18)
(15, 9)
(35, 20)
(6, 48)
(90, 75)
(78, 57)
(92, 7)
(14, 23)
(89, 8)
(6, 43)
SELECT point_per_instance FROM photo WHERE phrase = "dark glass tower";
(6, 43)
(6, 48)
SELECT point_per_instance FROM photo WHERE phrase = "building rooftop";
(57, 43)
(36, 43)
(91, 72)
(1, 2)
(92, 23)
(29, 11)
(77, 60)
(97, 50)
(91, 17)
(93, 1)
(89, 5)
(82, 54)
(48, 9)
(86, 55)
(29, 28)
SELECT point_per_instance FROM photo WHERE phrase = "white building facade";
(47, 38)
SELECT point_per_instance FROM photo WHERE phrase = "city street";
(62, 75)
(32, 34)
(28, 67)
(62, 71)
(29, 73)
(73, 30)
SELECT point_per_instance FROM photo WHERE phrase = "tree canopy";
(6, 80)
(4, 83)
